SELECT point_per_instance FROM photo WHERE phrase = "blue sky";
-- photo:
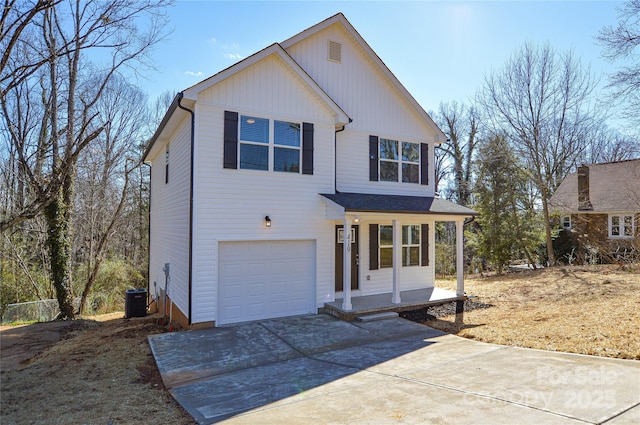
(439, 50)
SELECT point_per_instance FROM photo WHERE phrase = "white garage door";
(260, 280)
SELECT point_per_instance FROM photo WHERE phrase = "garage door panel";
(259, 280)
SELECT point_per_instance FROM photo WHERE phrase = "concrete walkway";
(317, 369)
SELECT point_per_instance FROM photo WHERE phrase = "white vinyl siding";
(230, 205)
(358, 86)
(170, 218)
(353, 169)
(381, 281)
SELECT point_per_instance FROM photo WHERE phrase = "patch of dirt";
(591, 310)
(98, 371)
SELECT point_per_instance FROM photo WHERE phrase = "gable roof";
(391, 78)
(189, 95)
(375, 203)
(340, 116)
(613, 187)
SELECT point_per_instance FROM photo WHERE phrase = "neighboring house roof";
(391, 78)
(612, 187)
(365, 202)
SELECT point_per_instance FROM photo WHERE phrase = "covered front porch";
(400, 274)
(379, 303)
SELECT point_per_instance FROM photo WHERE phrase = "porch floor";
(410, 300)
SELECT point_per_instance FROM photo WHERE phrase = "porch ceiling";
(376, 203)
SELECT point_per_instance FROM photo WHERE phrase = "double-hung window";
(286, 151)
(397, 161)
(256, 143)
(386, 246)
(411, 245)
(566, 222)
(621, 226)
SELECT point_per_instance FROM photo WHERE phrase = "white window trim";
(412, 245)
(562, 222)
(398, 161)
(621, 218)
(271, 145)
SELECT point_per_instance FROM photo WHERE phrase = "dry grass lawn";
(587, 310)
(97, 371)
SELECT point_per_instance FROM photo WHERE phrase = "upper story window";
(256, 143)
(566, 222)
(286, 152)
(621, 226)
(397, 161)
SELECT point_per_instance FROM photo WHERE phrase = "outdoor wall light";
(267, 221)
(357, 219)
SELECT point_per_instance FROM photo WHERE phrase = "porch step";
(377, 316)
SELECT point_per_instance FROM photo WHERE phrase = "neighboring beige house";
(600, 206)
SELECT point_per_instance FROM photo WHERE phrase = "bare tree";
(621, 45)
(54, 78)
(103, 174)
(541, 100)
(460, 123)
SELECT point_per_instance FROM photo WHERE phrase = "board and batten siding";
(231, 204)
(359, 87)
(169, 237)
(381, 280)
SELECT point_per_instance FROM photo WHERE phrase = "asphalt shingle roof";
(613, 187)
(367, 202)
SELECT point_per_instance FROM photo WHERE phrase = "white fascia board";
(339, 17)
(340, 117)
(333, 211)
(170, 122)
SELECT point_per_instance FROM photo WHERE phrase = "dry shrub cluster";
(587, 310)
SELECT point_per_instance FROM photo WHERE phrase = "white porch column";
(397, 260)
(346, 265)
(460, 258)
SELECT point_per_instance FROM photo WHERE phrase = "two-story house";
(299, 168)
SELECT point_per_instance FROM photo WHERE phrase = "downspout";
(193, 121)
(149, 239)
(335, 156)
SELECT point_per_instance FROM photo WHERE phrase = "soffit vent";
(335, 51)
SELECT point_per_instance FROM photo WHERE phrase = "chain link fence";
(39, 311)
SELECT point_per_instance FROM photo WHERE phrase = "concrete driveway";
(317, 369)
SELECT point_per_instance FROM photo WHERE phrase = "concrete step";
(377, 316)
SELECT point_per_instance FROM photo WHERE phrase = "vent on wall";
(335, 51)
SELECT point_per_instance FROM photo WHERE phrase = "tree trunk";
(58, 215)
(547, 229)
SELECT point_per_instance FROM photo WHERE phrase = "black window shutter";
(424, 163)
(424, 245)
(373, 159)
(307, 148)
(373, 247)
(230, 139)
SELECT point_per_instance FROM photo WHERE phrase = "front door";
(355, 259)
